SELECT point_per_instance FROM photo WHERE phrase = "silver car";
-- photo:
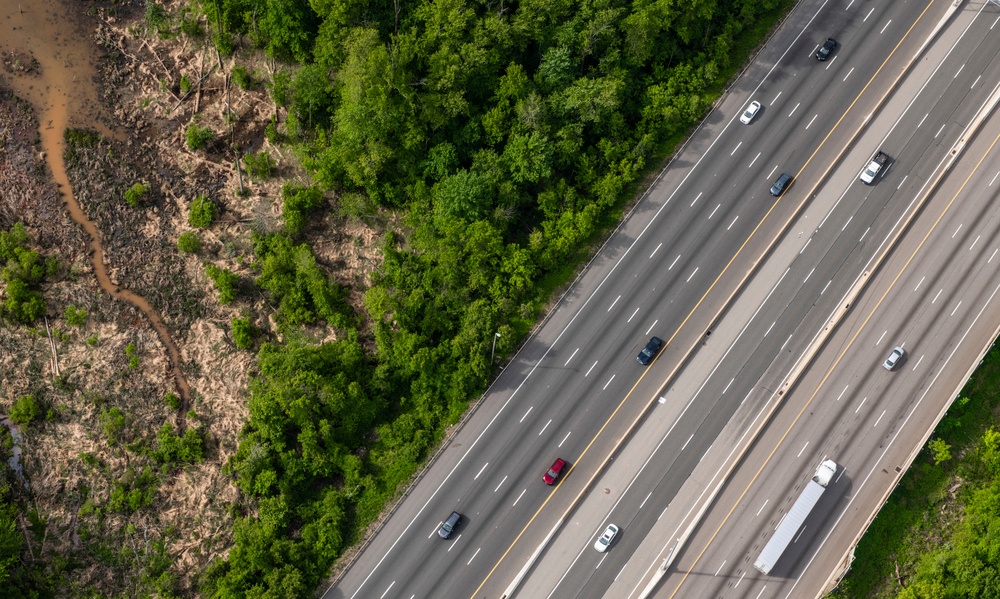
(894, 359)
(750, 112)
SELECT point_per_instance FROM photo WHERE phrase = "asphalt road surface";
(575, 388)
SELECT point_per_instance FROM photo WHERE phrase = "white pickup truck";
(872, 170)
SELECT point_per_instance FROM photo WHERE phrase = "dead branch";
(191, 91)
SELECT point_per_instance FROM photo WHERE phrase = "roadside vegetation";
(935, 538)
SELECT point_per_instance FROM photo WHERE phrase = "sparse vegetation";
(202, 213)
(75, 317)
(242, 77)
(260, 165)
(136, 194)
(172, 400)
(23, 272)
(298, 204)
(244, 333)
(197, 137)
(24, 411)
(225, 282)
(189, 242)
(185, 87)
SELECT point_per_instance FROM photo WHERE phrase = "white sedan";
(604, 541)
(750, 112)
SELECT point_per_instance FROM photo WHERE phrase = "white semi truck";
(796, 516)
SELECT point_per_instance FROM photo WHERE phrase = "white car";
(604, 541)
(750, 112)
(894, 358)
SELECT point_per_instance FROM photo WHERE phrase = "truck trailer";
(795, 517)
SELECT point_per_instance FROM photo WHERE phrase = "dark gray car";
(781, 184)
(450, 525)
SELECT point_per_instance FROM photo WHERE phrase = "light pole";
(494, 350)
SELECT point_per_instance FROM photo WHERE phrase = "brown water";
(64, 94)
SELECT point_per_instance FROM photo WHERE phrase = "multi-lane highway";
(671, 269)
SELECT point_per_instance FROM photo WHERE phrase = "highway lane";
(861, 410)
(581, 381)
(858, 230)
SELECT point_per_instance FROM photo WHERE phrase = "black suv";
(826, 49)
(650, 351)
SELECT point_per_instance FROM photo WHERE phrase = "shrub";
(244, 333)
(299, 202)
(185, 86)
(259, 165)
(112, 424)
(197, 137)
(172, 401)
(75, 316)
(133, 356)
(202, 213)
(135, 194)
(189, 242)
(24, 410)
(172, 448)
(92, 340)
(241, 77)
(156, 17)
(225, 282)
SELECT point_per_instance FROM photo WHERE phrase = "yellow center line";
(691, 313)
(840, 357)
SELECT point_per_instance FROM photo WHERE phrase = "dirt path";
(63, 90)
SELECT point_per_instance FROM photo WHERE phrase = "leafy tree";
(113, 425)
(197, 137)
(75, 316)
(24, 411)
(172, 448)
(225, 282)
(172, 401)
(189, 242)
(941, 450)
(299, 202)
(244, 333)
(259, 165)
(202, 212)
(241, 77)
(135, 194)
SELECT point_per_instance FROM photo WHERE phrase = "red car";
(553, 473)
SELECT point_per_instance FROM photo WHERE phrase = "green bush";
(259, 165)
(189, 242)
(225, 282)
(172, 448)
(172, 400)
(241, 77)
(185, 87)
(135, 194)
(157, 18)
(75, 316)
(299, 203)
(22, 270)
(113, 425)
(202, 213)
(197, 137)
(244, 333)
(24, 410)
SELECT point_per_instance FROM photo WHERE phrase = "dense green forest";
(508, 135)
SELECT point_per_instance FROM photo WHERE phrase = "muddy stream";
(65, 95)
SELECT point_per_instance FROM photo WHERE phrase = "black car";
(780, 184)
(826, 49)
(650, 351)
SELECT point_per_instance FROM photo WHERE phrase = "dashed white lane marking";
(714, 210)
(975, 82)
(881, 338)
(686, 442)
(692, 274)
(848, 73)
(387, 590)
(720, 567)
(564, 439)
(696, 198)
(993, 180)
(918, 362)
(900, 186)
(526, 413)
(809, 275)
(770, 174)
(993, 256)
(958, 71)
(733, 223)
(633, 315)
(500, 485)
(454, 543)
(614, 302)
(879, 419)
(608, 383)
(674, 262)
(736, 148)
(775, 99)
(786, 342)
(863, 235)
(578, 349)
(920, 282)
(811, 121)
(849, 219)
(922, 120)
(937, 296)
(770, 327)
(754, 160)
(974, 242)
(794, 109)
(588, 371)
(545, 427)
(645, 500)
(762, 506)
(825, 286)
(957, 230)
(473, 557)
(803, 449)
(518, 498)
(740, 580)
(861, 404)
(652, 325)
(654, 251)
(481, 470)
(727, 385)
(868, 15)
(939, 131)
(843, 392)
(885, 27)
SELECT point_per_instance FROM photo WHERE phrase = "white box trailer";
(795, 517)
